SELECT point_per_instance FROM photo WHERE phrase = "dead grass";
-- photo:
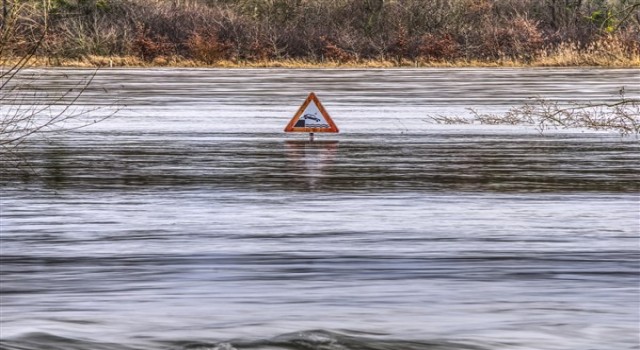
(599, 54)
(603, 53)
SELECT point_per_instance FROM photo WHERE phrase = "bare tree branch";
(622, 116)
(26, 111)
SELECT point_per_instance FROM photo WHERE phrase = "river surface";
(189, 220)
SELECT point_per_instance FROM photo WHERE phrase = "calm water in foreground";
(190, 221)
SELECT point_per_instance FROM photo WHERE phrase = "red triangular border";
(312, 97)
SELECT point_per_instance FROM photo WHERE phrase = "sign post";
(311, 117)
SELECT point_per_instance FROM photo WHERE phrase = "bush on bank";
(548, 32)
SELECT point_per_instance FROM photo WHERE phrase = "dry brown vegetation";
(327, 32)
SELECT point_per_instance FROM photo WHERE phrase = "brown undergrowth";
(323, 33)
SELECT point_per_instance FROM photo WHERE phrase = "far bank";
(322, 33)
(565, 58)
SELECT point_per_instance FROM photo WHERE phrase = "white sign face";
(311, 117)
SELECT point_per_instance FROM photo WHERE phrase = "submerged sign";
(311, 117)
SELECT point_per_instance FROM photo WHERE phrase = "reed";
(607, 51)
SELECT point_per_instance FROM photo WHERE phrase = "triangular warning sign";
(311, 117)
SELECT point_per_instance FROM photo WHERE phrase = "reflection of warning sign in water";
(311, 117)
(310, 161)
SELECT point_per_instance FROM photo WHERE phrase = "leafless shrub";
(27, 109)
(445, 119)
(332, 52)
(439, 47)
(520, 38)
(207, 48)
(622, 116)
(149, 46)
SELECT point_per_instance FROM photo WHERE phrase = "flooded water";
(191, 221)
